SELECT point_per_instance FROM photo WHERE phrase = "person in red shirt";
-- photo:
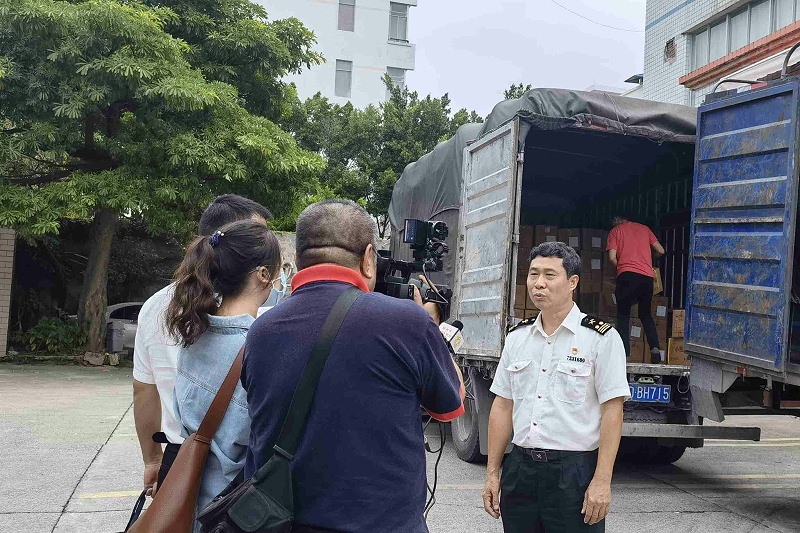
(631, 248)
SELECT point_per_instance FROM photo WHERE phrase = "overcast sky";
(475, 49)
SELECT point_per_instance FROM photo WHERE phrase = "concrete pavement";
(71, 464)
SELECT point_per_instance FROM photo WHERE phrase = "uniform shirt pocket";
(520, 380)
(571, 382)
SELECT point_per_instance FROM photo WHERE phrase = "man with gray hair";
(559, 386)
(360, 466)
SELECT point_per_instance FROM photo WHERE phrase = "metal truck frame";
(487, 248)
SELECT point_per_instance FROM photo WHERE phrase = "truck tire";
(466, 439)
(647, 451)
(666, 455)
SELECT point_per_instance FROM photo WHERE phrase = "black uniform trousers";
(546, 496)
(632, 289)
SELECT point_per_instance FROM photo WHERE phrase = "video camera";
(426, 240)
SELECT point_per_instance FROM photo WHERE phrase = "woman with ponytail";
(219, 286)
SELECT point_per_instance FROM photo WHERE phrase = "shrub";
(57, 336)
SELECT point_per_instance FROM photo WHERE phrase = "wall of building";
(666, 20)
(368, 47)
(669, 73)
(7, 242)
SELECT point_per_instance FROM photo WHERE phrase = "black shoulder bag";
(265, 502)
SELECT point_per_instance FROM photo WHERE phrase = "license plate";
(650, 393)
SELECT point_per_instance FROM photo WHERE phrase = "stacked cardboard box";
(676, 355)
(523, 305)
(544, 234)
(571, 236)
(638, 342)
(591, 271)
(608, 300)
(639, 349)
(660, 312)
(593, 240)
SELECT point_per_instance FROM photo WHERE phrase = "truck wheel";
(465, 434)
(647, 451)
(666, 455)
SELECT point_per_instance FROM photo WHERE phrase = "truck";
(718, 186)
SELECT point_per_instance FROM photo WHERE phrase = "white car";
(126, 314)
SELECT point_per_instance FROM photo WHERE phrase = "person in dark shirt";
(360, 466)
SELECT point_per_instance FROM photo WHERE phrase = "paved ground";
(70, 464)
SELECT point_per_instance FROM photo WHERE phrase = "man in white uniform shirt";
(560, 385)
(155, 355)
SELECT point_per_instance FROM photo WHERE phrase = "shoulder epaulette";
(596, 324)
(526, 322)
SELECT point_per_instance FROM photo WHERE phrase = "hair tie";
(215, 238)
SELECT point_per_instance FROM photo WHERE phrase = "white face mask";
(275, 297)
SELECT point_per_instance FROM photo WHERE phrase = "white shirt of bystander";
(155, 358)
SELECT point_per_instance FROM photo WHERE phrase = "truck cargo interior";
(604, 173)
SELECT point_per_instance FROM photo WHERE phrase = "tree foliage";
(368, 149)
(516, 91)
(147, 111)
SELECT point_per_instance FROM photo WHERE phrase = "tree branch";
(66, 171)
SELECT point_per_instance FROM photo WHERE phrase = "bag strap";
(219, 405)
(303, 398)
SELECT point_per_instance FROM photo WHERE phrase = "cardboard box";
(659, 307)
(592, 261)
(662, 328)
(590, 286)
(676, 354)
(523, 258)
(638, 352)
(609, 268)
(526, 237)
(593, 239)
(520, 296)
(637, 331)
(678, 323)
(531, 313)
(544, 234)
(519, 313)
(658, 285)
(571, 236)
(589, 303)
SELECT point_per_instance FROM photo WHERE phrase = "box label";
(636, 331)
(661, 311)
(596, 264)
(552, 238)
(573, 242)
(597, 242)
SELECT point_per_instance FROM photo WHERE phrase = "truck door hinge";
(520, 157)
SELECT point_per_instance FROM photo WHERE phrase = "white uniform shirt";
(155, 358)
(558, 382)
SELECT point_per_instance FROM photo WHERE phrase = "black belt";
(545, 456)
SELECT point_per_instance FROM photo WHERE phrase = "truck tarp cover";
(431, 187)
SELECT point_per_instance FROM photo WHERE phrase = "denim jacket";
(202, 367)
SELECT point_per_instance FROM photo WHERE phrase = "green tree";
(368, 149)
(104, 113)
(516, 91)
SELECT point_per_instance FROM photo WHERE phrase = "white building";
(361, 40)
(690, 45)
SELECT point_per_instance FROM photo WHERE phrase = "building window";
(784, 13)
(398, 77)
(398, 22)
(347, 15)
(344, 78)
(736, 30)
